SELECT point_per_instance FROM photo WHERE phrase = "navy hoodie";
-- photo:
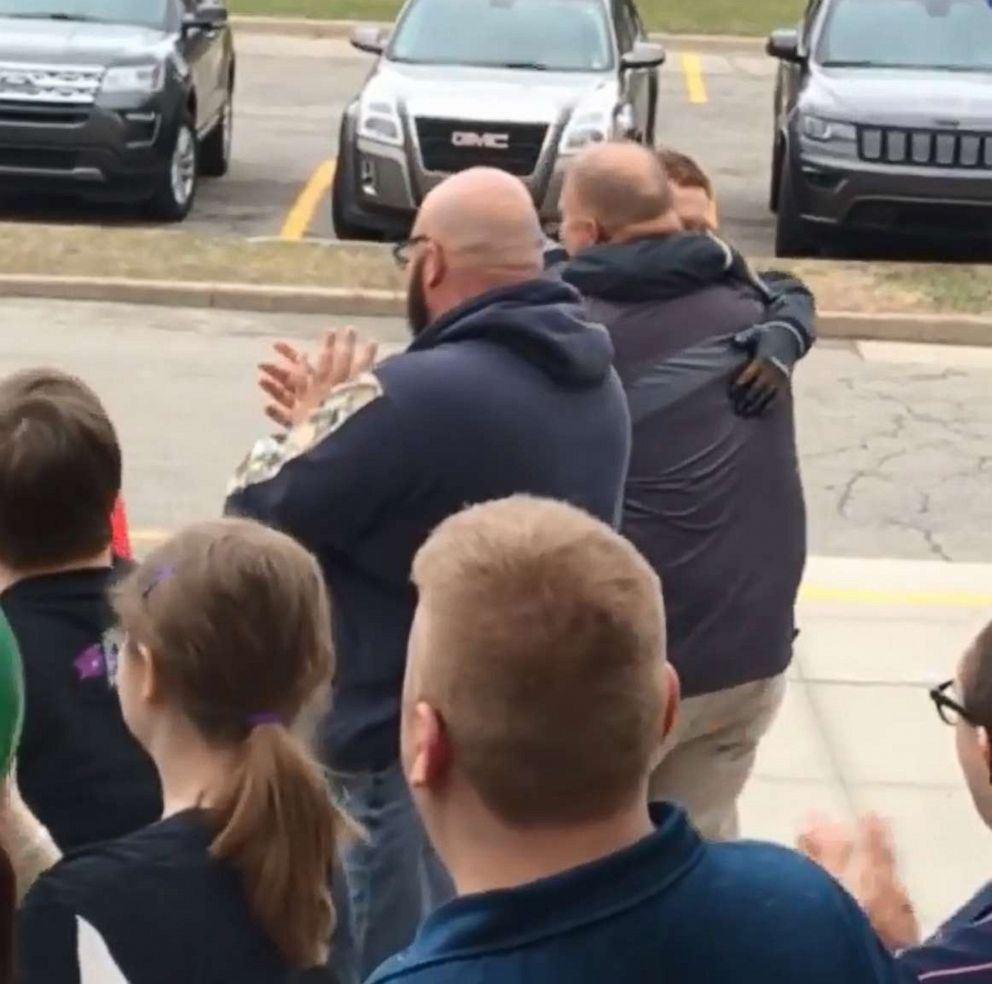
(713, 500)
(512, 392)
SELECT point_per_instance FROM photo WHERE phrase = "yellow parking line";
(908, 599)
(692, 69)
(305, 207)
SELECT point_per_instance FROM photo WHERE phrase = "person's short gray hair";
(621, 185)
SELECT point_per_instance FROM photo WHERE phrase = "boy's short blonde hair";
(544, 655)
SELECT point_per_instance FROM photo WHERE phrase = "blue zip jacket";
(512, 392)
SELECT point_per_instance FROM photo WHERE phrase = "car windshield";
(557, 35)
(145, 12)
(947, 34)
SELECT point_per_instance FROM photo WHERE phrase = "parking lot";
(291, 92)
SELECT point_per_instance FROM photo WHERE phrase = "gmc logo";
(489, 141)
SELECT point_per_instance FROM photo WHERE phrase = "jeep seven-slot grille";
(447, 146)
(925, 148)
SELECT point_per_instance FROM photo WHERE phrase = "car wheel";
(343, 227)
(177, 185)
(776, 180)
(215, 152)
(792, 235)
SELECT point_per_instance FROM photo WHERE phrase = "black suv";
(883, 122)
(117, 99)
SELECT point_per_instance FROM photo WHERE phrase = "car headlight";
(828, 131)
(593, 121)
(378, 120)
(584, 129)
(134, 78)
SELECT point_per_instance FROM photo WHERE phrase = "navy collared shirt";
(669, 909)
(961, 951)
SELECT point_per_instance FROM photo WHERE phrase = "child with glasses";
(227, 646)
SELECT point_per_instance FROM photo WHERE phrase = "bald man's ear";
(435, 265)
(600, 233)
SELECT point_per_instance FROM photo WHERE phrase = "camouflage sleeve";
(326, 480)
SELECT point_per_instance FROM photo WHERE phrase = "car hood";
(459, 92)
(70, 43)
(913, 97)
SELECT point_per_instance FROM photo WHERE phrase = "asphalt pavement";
(896, 448)
(292, 90)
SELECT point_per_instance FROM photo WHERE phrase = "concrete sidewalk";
(858, 732)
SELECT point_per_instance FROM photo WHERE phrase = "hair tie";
(160, 576)
(266, 717)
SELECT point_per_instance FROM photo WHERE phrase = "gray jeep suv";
(521, 85)
(883, 122)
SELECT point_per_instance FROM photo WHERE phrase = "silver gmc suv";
(522, 85)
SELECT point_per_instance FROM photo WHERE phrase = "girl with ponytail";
(226, 649)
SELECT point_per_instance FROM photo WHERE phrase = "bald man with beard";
(507, 387)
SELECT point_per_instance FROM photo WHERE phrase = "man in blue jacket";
(507, 387)
(713, 498)
(537, 695)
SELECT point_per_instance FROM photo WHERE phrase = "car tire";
(343, 227)
(177, 185)
(792, 236)
(215, 151)
(776, 179)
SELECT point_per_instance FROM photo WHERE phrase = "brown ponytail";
(278, 826)
(237, 622)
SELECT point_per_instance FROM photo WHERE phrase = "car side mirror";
(783, 44)
(644, 54)
(208, 17)
(370, 39)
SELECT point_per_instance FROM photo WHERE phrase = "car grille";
(37, 158)
(42, 113)
(925, 148)
(50, 84)
(447, 146)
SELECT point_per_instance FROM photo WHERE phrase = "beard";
(418, 316)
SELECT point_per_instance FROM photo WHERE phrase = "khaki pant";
(709, 756)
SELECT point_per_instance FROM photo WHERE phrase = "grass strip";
(154, 254)
(685, 16)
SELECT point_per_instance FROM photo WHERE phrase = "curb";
(960, 329)
(223, 296)
(340, 29)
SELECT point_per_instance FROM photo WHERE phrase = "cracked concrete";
(897, 458)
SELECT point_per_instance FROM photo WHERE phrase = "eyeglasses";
(403, 251)
(948, 707)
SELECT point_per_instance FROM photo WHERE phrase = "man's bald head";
(483, 218)
(618, 187)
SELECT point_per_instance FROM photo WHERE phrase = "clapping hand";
(296, 386)
(863, 860)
